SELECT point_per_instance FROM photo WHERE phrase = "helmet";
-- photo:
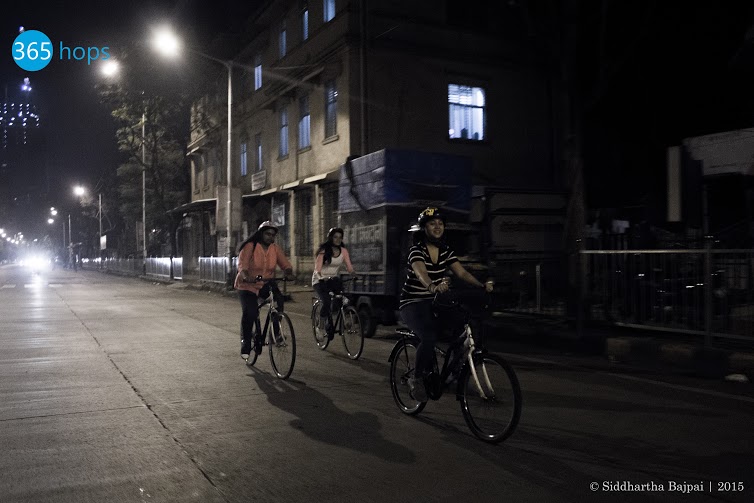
(266, 225)
(333, 230)
(429, 214)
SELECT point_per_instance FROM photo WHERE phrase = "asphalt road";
(117, 389)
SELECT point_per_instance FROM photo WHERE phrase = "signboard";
(103, 242)
(258, 180)
(278, 210)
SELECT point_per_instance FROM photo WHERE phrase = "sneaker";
(245, 348)
(417, 389)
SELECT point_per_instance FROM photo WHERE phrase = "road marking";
(55, 285)
(8, 286)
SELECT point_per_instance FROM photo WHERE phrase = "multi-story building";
(321, 80)
(23, 181)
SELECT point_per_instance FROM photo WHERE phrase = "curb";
(704, 362)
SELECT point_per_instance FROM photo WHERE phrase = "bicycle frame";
(455, 364)
(338, 320)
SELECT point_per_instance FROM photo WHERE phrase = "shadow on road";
(319, 418)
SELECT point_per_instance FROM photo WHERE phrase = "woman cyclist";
(428, 261)
(258, 256)
(332, 256)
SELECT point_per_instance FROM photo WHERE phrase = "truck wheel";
(368, 323)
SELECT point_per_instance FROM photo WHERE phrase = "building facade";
(319, 81)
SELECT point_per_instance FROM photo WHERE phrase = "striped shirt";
(413, 290)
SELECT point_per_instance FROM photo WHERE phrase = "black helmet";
(429, 214)
(333, 230)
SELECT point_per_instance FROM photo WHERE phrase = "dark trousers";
(419, 318)
(250, 307)
(323, 289)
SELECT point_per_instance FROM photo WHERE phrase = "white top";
(329, 270)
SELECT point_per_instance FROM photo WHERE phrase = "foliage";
(152, 135)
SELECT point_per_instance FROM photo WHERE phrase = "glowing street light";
(168, 44)
(110, 68)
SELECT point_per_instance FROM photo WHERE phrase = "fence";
(213, 269)
(704, 292)
(531, 283)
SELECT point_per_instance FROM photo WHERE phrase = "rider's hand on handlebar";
(442, 286)
(489, 285)
(288, 274)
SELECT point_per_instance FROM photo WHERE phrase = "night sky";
(80, 133)
(675, 70)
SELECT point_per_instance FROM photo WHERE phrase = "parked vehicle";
(380, 196)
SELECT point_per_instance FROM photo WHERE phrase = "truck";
(380, 196)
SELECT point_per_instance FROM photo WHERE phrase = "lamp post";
(168, 44)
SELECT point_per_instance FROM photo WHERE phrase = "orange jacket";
(261, 263)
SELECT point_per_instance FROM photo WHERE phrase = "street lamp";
(169, 45)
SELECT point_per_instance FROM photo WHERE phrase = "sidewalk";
(630, 346)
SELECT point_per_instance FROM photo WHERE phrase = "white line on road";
(8, 286)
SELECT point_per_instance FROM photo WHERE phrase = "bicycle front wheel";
(282, 346)
(401, 370)
(318, 326)
(252, 359)
(353, 335)
(491, 402)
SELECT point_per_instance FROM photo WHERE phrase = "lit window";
(331, 103)
(244, 159)
(329, 9)
(258, 149)
(304, 134)
(466, 112)
(283, 151)
(257, 72)
(283, 39)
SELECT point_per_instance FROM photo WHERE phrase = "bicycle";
(347, 324)
(278, 334)
(486, 385)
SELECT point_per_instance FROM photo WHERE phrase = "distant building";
(22, 160)
(323, 80)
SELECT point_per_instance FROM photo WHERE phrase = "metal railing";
(159, 267)
(704, 291)
(531, 283)
(213, 269)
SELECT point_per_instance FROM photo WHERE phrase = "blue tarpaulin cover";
(394, 177)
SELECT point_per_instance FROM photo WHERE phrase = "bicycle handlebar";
(259, 279)
(352, 278)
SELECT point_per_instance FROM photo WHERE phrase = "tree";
(152, 135)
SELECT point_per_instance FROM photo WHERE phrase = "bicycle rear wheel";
(282, 346)
(491, 409)
(353, 335)
(318, 326)
(401, 369)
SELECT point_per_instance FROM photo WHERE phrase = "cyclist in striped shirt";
(429, 261)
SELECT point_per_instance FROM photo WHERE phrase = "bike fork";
(485, 376)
